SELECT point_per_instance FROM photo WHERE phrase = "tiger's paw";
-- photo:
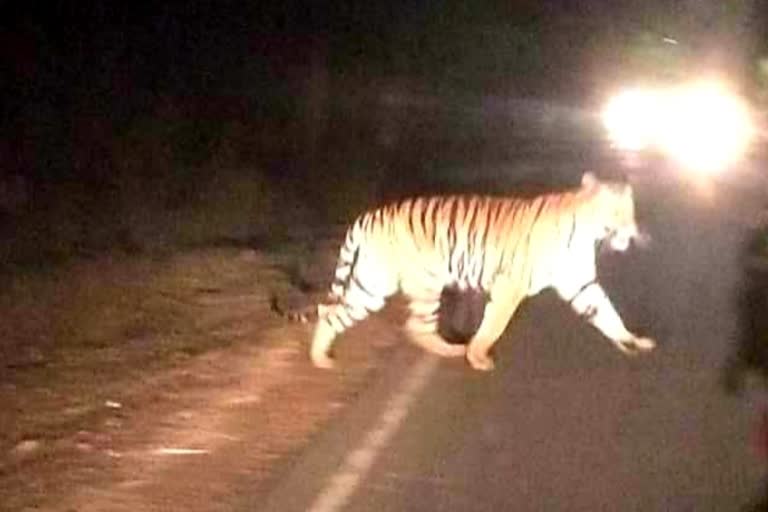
(636, 345)
(644, 344)
(323, 361)
(480, 362)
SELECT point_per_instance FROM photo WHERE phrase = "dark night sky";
(183, 44)
(111, 55)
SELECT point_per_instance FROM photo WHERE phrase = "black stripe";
(498, 209)
(573, 230)
(356, 281)
(453, 211)
(467, 218)
(422, 219)
(367, 219)
(410, 206)
(487, 228)
(483, 244)
(339, 282)
(582, 289)
(451, 230)
(349, 317)
(439, 204)
(590, 312)
(471, 217)
(327, 320)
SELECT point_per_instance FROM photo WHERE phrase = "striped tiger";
(508, 248)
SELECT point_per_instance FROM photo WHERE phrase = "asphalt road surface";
(566, 422)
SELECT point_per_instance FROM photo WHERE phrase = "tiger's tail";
(304, 315)
(344, 266)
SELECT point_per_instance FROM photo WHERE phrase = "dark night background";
(107, 105)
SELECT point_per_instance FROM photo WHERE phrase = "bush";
(164, 183)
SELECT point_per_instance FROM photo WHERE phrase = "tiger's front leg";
(592, 303)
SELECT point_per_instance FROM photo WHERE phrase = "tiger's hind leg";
(495, 318)
(325, 333)
(357, 302)
(422, 329)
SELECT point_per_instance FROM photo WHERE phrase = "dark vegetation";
(751, 350)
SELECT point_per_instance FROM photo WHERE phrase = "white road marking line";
(358, 463)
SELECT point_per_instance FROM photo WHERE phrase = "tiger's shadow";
(460, 313)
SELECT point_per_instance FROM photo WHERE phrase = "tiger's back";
(461, 238)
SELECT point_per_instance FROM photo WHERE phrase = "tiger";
(508, 248)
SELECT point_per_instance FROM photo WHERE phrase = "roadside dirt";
(163, 384)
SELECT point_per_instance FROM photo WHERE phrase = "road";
(566, 422)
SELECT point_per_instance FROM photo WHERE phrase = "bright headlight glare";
(629, 119)
(701, 125)
(706, 128)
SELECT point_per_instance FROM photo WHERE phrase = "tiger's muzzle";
(621, 239)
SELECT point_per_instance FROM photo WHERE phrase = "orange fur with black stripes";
(510, 248)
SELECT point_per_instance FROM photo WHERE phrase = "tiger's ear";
(589, 180)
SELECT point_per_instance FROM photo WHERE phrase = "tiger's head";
(612, 212)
